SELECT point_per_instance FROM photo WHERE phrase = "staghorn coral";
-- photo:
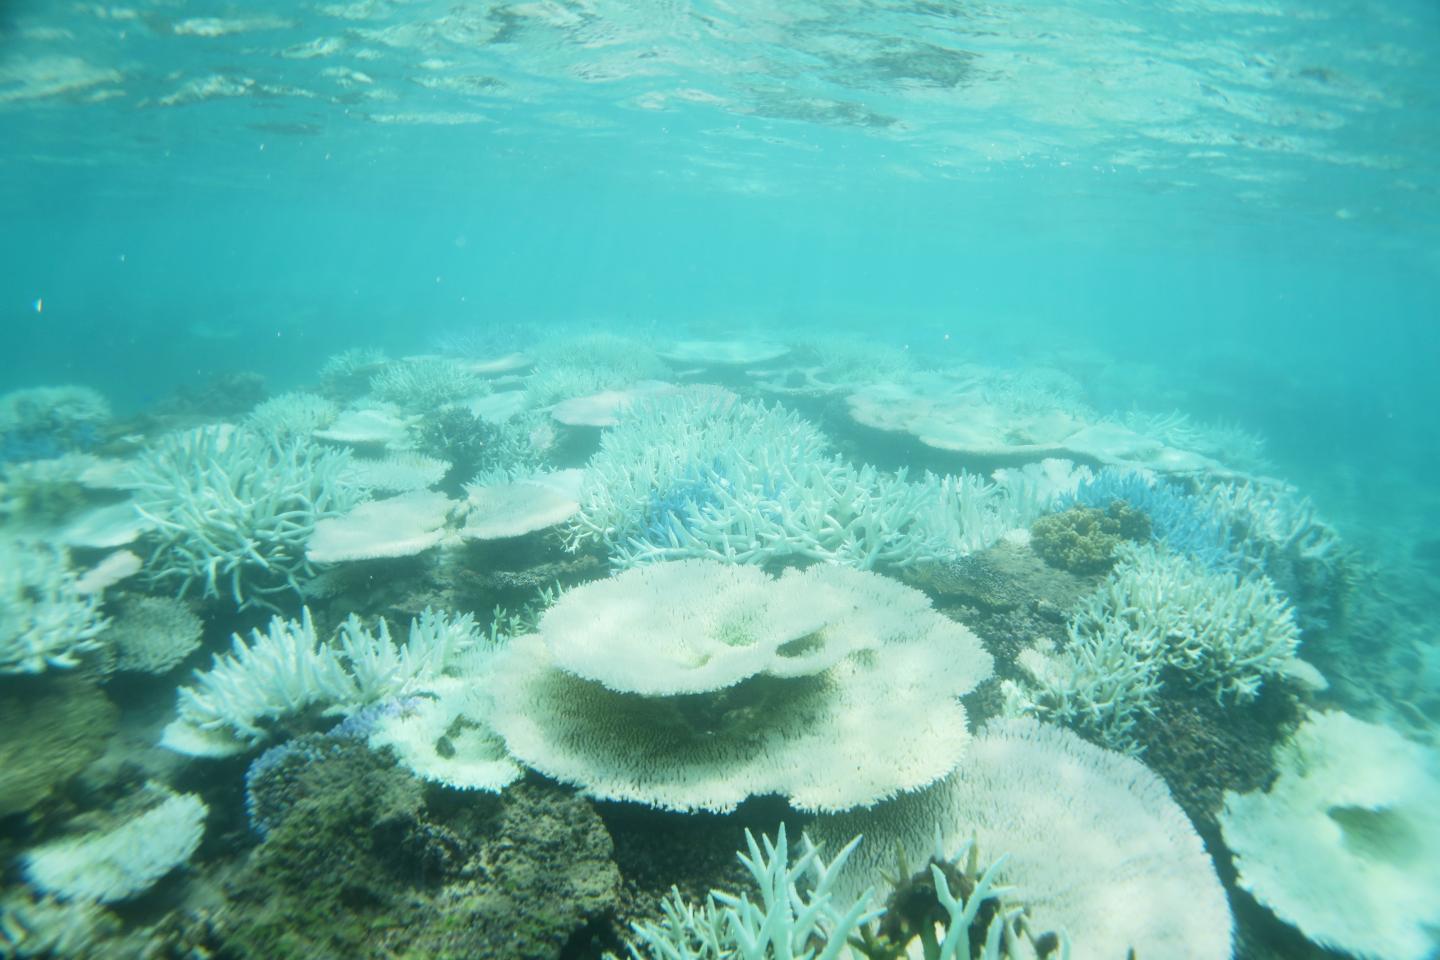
(697, 473)
(422, 384)
(952, 910)
(1181, 521)
(233, 706)
(1156, 610)
(292, 415)
(232, 510)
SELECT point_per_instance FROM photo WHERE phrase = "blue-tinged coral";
(46, 620)
(232, 509)
(1181, 521)
(700, 473)
(270, 780)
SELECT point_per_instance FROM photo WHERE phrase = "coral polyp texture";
(1345, 845)
(232, 510)
(46, 620)
(693, 685)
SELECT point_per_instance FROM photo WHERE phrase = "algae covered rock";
(361, 859)
(50, 730)
(1083, 539)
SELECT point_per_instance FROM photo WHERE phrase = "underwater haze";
(1026, 316)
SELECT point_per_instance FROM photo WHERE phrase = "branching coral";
(233, 510)
(1181, 521)
(292, 415)
(1157, 610)
(955, 909)
(426, 383)
(46, 621)
(233, 706)
(698, 473)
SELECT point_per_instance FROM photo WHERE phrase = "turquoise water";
(1250, 182)
(1229, 208)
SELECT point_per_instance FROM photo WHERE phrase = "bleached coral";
(1096, 845)
(234, 706)
(426, 383)
(794, 913)
(398, 472)
(399, 526)
(232, 510)
(153, 634)
(292, 415)
(446, 736)
(379, 668)
(859, 708)
(1345, 845)
(1157, 609)
(46, 620)
(279, 672)
(524, 504)
(573, 364)
(700, 473)
(122, 860)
